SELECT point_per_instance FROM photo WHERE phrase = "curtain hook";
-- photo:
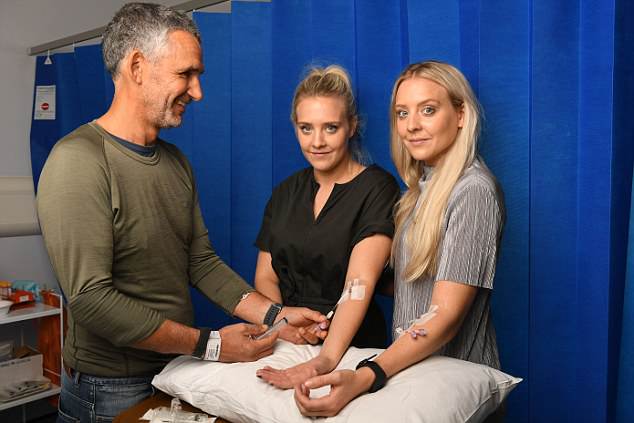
(48, 60)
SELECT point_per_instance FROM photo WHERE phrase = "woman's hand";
(345, 385)
(311, 334)
(305, 325)
(287, 378)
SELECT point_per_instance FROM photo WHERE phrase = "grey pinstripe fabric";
(473, 226)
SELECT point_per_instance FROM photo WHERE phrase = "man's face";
(173, 80)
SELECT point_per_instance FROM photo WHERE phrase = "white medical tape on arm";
(357, 290)
(417, 323)
(354, 289)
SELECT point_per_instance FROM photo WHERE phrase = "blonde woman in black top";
(326, 225)
(448, 228)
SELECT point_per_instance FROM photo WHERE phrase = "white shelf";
(33, 312)
(29, 398)
(26, 313)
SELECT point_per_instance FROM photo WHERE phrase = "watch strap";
(271, 314)
(380, 378)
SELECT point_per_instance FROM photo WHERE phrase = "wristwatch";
(271, 314)
(380, 378)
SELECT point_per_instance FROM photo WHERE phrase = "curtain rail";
(187, 6)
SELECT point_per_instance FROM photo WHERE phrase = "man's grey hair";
(141, 26)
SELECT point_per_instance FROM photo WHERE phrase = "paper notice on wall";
(44, 102)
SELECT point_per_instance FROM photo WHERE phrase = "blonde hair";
(424, 234)
(332, 81)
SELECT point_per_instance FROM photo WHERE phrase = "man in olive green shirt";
(121, 221)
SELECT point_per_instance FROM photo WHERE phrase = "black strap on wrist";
(201, 345)
(271, 314)
(380, 378)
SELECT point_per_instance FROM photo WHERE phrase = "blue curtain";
(555, 80)
(625, 394)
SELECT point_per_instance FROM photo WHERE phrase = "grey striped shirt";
(468, 252)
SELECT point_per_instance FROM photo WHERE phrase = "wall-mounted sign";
(44, 102)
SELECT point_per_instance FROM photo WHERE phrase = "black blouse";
(310, 256)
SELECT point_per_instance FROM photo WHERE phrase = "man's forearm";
(174, 338)
(171, 338)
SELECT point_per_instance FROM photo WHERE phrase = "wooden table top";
(160, 399)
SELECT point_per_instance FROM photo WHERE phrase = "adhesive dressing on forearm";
(416, 324)
(354, 289)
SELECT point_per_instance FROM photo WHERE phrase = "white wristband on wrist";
(212, 352)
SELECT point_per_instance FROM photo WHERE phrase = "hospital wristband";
(214, 343)
(208, 345)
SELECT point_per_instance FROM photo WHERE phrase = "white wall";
(24, 24)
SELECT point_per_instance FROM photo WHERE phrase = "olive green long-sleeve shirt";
(126, 238)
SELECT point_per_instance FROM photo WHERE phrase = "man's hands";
(345, 385)
(305, 325)
(238, 343)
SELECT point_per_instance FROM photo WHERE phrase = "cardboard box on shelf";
(26, 365)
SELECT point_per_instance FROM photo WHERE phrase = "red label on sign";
(44, 106)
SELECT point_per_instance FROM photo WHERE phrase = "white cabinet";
(22, 314)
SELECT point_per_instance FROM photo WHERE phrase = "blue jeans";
(90, 399)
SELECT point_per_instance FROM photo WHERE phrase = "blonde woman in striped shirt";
(448, 229)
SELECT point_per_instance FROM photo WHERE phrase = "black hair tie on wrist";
(201, 345)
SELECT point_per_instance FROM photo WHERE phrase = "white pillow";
(438, 389)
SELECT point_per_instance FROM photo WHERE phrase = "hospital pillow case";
(438, 389)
